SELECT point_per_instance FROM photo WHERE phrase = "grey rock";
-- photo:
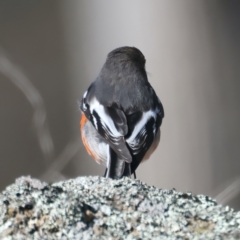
(100, 208)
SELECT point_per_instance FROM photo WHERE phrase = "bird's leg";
(105, 173)
(127, 170)
(134, 174)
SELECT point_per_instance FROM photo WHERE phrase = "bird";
(121, 114)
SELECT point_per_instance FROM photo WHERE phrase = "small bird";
(121, 114)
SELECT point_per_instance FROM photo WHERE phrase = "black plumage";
(124, 109)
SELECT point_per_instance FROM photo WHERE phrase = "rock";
(100, 208)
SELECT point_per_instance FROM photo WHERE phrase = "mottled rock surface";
(99, 208)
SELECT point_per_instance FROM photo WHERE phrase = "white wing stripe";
(140, 125)
(84, 105)
(105, 119)
(95, 122)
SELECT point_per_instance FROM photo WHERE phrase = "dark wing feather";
(144, 127)
(110, 122)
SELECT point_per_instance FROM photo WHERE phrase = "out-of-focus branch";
(68, 153)
(13, 73)
(229, 192)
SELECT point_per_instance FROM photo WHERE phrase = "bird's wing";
(110, 122)
(143, 127)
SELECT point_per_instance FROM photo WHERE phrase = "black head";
(126, 56)
(123, 65)
(123, 79)
(125, 59)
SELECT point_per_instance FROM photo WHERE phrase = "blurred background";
(50, 51)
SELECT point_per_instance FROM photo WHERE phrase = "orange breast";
(84, 139)
(83, 121)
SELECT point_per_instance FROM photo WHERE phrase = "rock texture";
(99, 208)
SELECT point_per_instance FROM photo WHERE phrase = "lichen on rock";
(100, 208)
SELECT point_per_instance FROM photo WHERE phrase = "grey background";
(50, 51)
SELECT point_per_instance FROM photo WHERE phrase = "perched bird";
(121, 114)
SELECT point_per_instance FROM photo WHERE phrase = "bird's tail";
(117, 167)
